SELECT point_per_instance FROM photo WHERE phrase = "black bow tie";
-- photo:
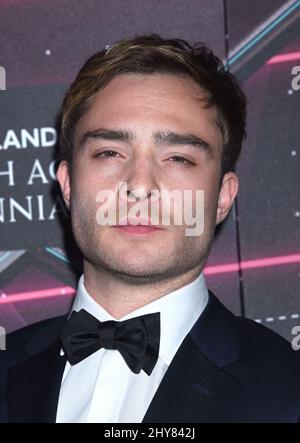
(137, 339)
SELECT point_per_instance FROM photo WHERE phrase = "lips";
(139, 229)
(138, 222)
(137, 226)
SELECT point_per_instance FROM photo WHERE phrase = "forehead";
(176, 102)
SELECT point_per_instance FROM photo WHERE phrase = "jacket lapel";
(34, 385)
(196, 381)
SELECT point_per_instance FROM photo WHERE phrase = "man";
(146, 340)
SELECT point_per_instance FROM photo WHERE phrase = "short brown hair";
(152, 54)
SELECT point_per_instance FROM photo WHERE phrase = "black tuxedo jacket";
(227, 369)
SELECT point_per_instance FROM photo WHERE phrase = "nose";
(141, 179)
(138, 194)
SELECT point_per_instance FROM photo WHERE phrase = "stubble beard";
(182, 254)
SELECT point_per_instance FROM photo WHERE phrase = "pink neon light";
(209, 270)
(33, 295)
(284, 58)
(250, 264)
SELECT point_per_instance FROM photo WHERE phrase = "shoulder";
(263, 342)
(27, 341)
(269, 364)
(253, 341)
(259, 357)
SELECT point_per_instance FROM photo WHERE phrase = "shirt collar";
(179, 310)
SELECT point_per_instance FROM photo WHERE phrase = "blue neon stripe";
(263, 33)
(58, 255)
(4, 256)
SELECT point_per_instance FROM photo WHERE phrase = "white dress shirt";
(102, 388)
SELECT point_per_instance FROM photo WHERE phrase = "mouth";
(137, 227)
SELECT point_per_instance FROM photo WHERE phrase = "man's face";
(148, 108)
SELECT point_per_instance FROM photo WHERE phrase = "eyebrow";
(159, 138)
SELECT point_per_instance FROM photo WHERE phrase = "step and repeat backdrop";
(254, 264)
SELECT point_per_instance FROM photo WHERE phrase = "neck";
(119, 295)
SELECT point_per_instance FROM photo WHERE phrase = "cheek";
(210, 209)
(93, 178)
(87, 182)
(83, 199)
(208, 201)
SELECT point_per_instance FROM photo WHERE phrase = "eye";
(107, 154)
(182, 161)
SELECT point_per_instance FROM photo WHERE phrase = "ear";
(63, 177)
(227, 194)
